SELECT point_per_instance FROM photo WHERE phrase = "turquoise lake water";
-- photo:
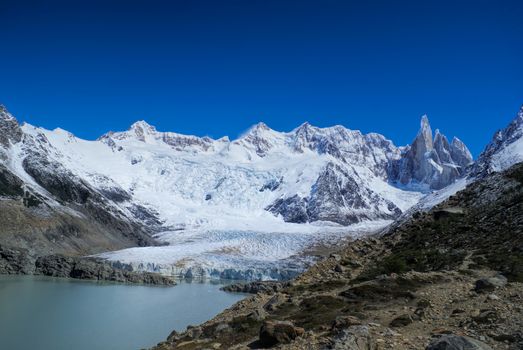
(57, 314)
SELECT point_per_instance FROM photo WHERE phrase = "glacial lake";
(59, 314)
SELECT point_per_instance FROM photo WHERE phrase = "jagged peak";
(303, 128)
(5, 115)
(256, 130)
(519, 118)
(260, 126)
(424, 124)
(142, 124)
(424, 135)
(456, 141)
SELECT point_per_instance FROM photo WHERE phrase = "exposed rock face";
(254, 287)
(10, 131)
(432, 162)
(93, 269)
(145, 132)
(16, 261)
(337, 197)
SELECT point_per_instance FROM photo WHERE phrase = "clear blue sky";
(216, 67)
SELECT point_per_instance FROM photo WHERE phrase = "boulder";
(278, 332)
(345, 322)
(490, 284)
(353, 338)
(401, 321)
(456, 342)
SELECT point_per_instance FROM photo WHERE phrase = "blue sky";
(216, 67)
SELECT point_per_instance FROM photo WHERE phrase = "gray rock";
(15, 261)
(10, 131)
(456, 342)
(94, 269)
(353, 338)
(490, 284)
(401, 321)
(429, 161)
(254, 287)
(486, 316)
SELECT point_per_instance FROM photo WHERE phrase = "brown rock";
(401, 321)
(278, 332)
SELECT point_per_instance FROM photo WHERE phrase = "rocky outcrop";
(337, 197)
(278, 332)
(431, 161)
(16, 261)
(93, 269)
(10, 131)
(254, 287)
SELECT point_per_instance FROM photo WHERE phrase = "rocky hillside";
(450, 278)
(47, 210)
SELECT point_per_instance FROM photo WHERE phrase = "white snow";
(245, 254)
(436, 197)
(508, 156)
(209, 191)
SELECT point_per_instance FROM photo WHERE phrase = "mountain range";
(62, 194)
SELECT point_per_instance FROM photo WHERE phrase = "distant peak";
(4, 113)
(257, 128)
(303, 127)
(142, 124)
(261, 126)
(425, 124)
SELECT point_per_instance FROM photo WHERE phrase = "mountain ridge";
(246, 196)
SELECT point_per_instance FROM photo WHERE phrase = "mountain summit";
(431, 161)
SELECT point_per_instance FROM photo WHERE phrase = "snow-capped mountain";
(505, 149)
(274, 191)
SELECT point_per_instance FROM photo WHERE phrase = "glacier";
(255, 207)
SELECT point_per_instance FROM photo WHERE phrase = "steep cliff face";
(432, 162)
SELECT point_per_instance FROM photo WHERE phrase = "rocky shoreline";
(21, 262)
